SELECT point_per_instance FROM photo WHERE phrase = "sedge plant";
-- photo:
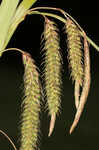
(14, 12)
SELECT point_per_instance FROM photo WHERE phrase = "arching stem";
(66, 15)
(13, 49)
(3, 133)
(63, 20)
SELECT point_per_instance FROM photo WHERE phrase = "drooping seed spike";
(75, 56)
(31, 105)
(52, 71)
(86, 84)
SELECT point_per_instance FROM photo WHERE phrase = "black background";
(27, 37)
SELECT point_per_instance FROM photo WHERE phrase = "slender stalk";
(59, 10)
(32, 11)
(13, 49)
(47, 14)
(91, 42)
(3, 133)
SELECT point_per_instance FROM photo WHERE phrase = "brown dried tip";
(74, 125)
(77, 116)
(52, 124)
(86, 85)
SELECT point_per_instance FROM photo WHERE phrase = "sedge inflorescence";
(79, 66)
(30, 105)
(52, 70)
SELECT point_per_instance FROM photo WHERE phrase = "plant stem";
(3, 133)
(92, 43)
(32, 11)
(13, 49)
(48, 14)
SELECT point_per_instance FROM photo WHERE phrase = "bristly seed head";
(75, 54)
(52, 70)
(86, 84)
(31, 105)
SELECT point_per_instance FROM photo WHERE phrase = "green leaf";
(18, 17)
(7, 9)
(27, 3)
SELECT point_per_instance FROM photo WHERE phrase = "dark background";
(27, 37)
